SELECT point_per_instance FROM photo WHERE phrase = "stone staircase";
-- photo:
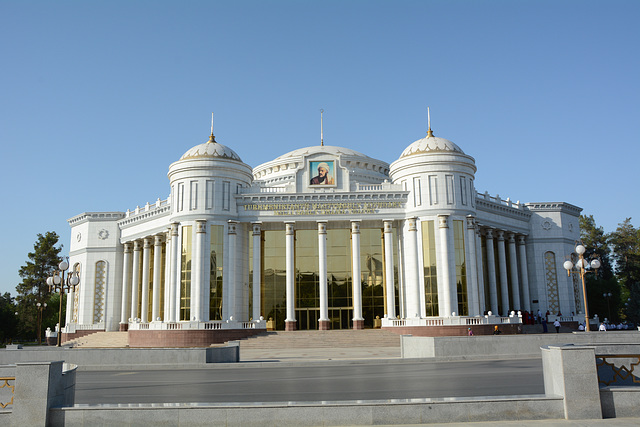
(102, 340)
(344, 338)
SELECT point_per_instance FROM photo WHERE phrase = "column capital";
(232, 226)
(511, 237)
(471, 221)
(387, 225)
(174, 228)
(355, 226)
(521, 239)
(137, 245)
(488, 232)
(147, 242)
(443, 221)
(289, 228)
(158, 239)
(201, 225)
(322, 227)
(256, 228)
(128, 246)
(412, 223)
(500, 235)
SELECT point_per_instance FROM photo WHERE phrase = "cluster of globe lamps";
(58, 283)
(581, 268)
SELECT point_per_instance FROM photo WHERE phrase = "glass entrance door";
(307, 318)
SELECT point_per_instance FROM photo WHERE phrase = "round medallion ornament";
(79, 237)
(546, 225)
(103, 234)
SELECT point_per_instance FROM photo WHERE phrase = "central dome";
(431, 144)
(326, 149)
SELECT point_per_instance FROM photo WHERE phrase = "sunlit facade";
(321, 237)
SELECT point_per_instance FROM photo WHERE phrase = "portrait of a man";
(322, 173)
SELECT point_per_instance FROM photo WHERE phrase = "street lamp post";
(607, 295)
(58, 283)
(40, 308)
(581, 266)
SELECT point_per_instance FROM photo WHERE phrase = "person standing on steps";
(557, 325)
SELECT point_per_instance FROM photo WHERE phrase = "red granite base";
(187, 338)
(358, 324)
(453, 331)
(290, 325)
(124, 327)
(324, 325)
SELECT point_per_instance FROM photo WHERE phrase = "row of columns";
(446, 269)
(517, 261)
(324, 321)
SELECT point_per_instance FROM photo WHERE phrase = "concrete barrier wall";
(620, 402)
(505, 345)
(422, 411)
(122, 358)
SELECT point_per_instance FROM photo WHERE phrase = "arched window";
(551, 278)
(98, 297)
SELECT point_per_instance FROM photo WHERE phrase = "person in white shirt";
(602, 327)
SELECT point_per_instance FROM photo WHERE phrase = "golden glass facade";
(372, 274)
(339, 287)
(461, 268)
(185, 273)
(307, 279)
(430, 268)
(274, 277)
(216, 252)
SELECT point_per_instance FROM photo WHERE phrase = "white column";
(491, 272)
(411, 266)
(197, 270)
(513, 261)
(174, 302)
(524, 273)
(472, 270)
(232, 270)
(126, 284)
(388, 268)
(445, 264)
(290, 321)
(257, 269)
(167, 275)
(323, 321)
(135, 282)
(504, 280)
(146, 261)
(480, 272)
(157, 276)
(356, 279)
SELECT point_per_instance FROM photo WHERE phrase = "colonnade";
(513, 279)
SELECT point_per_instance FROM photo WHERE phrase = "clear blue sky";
(99, 97)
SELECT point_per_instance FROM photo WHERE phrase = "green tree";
(625, 242)
(596, 241)
(33, 289)
(633, 304)
(597, 244)
(8, 319)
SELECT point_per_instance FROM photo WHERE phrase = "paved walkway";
(610, 422)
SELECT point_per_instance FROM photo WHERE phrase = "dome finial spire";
(211, 137)
(429, 132)
(321, 129)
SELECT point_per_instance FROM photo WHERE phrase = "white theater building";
(321, 237)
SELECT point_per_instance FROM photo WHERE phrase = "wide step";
(102, 340)
(323, 339)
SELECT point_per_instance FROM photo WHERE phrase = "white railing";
(147, 207)
(193, 325)
(452, 321)
(71, 328)
(385, 186)
(497, 199)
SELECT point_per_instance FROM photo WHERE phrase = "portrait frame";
(314, 174)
